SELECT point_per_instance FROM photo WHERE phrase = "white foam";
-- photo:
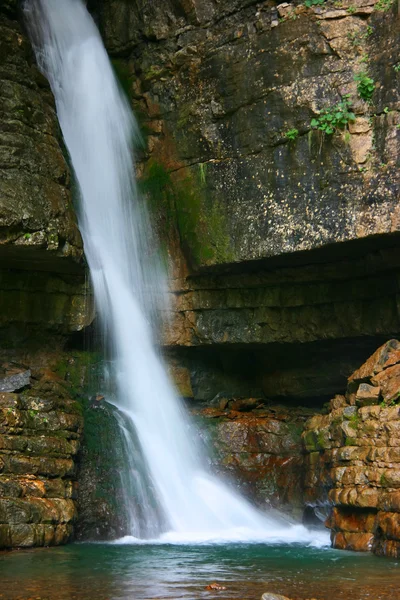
(294, 534)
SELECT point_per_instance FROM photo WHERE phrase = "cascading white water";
(98, 131)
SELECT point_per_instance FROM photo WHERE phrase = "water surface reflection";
(108, 572)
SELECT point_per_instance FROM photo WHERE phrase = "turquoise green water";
(107, 572)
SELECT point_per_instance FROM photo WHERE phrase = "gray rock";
(14, 379)
(367, 395)
(349, 412)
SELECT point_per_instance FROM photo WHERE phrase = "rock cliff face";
(43, 302)
(275, 242)
(40, 429)
(282, 248)
(221, 86)
(42, 282)
(353, 460)
(259, 450)
(282, 240)
(37, 221)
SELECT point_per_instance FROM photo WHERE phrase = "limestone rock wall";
(43, 290)
(353, 457)
(258, 449)
(40, 430)
(37, 221)
(218, 86)
(281, 252)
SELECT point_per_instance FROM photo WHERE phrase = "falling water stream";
(178, 500)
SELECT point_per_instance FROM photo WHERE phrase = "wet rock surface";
(272, 243)
(14, 378)
(290, 332)
(40, 430)
(258, 449)
(353, 458)
(42, 278)
(100, 501)
(37, 220)
(219, 88)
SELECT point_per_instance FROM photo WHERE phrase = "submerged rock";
(217, 587)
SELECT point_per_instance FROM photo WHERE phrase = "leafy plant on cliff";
(384, 5)
(337, 116)
(365, 86)
(292, 134)
(358, 37)
(389, 403)
(310, 3)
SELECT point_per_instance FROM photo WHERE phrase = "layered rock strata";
(219, 86)
(37, 221)
(354, 456)
(258, 449)
(40, 430)
(272, 242)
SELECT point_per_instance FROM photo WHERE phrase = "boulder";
(386, 356)
(14, 378)
(367, 395)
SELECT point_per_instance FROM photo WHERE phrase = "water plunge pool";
(139, 572)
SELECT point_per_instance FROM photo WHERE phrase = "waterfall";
(179, 500)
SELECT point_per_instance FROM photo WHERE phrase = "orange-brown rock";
(389, 381)
(352, 521)
(354, 458)
(260, 449)
(367, 394)
(40, 430)
(358, 542)
(386, 356)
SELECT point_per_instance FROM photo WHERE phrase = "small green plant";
(310, 3)
(203, 169)
(357, 37)
(292, 134)
(383, 480)
(383, 5)
(351, 10)
(338, 116)
(27, 236)
(386, 110)
(365, 86)
(397, 67)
